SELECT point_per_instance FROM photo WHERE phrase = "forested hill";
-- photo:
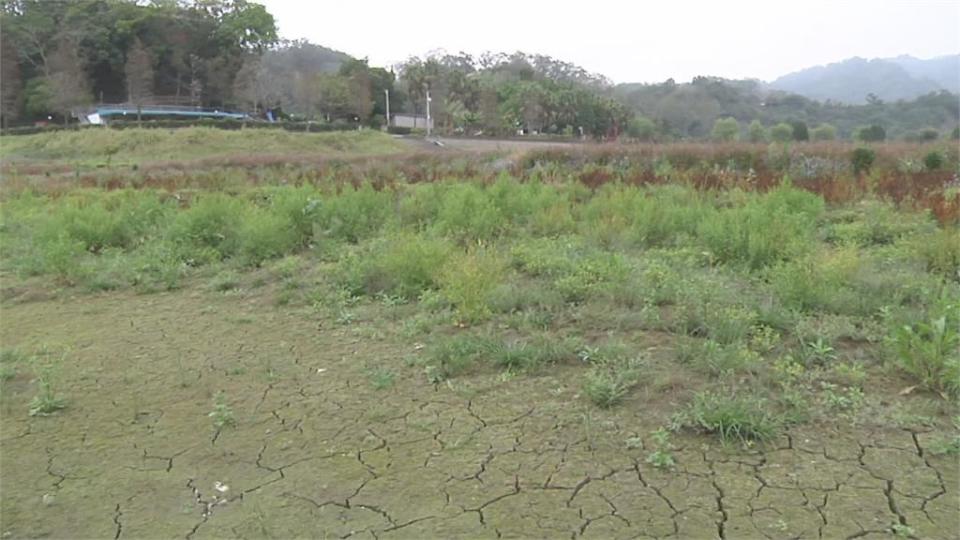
(689, 110)
(857, 80)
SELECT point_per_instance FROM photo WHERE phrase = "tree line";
(60, 55)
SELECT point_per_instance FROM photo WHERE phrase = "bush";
(862, 160)
(933, 161)
(741, 418)
(824, 132)
(403, 265)
(725, 130)
(873, 133)
(468, 280)
(769, 228)
(929, 351)
(781, 133)
(468, 213)
(212, 222)
(354, 214)
(266, 235)
(398, 130)
(941, 252)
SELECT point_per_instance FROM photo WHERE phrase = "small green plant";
(610, 378)
(848, 400)
(929, 351)
(454, 355)
(740, 418)
(46, 402)
(819, 352)
(662, 456)
(222, 414)
(902, 531)
(381, 378)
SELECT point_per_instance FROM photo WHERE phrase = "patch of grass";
(381, 378)
(941, 252)
(533, 354)
(47, 401)
(715, 358)
(222, 414)
(10, 359)
(610, 378)
(405, 265)
(450, 356)
(733, 418)
(226, 280)
(763, 230)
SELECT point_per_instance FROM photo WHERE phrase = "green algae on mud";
(318, 451)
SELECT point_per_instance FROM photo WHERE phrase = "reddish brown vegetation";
(822, 168)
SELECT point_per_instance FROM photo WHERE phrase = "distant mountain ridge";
(890, 79)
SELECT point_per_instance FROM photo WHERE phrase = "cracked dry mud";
(318, 452)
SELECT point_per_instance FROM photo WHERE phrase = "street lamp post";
(428, 113)
(386, 93)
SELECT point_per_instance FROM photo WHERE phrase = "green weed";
(740, 418)
(467, 281)
(222, 414)
(929, 351)
(662, 455)
(47, 401)
(611, 378)
(381, 378)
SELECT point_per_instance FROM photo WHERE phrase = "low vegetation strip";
(142, 145)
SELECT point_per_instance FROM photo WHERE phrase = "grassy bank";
(108, 147)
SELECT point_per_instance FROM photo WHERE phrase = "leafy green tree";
(824, 132)
(642, 128)
(873, 133)
(725, 130)
(756, 132)
(800, 131)
(782, 132)
(11, 90)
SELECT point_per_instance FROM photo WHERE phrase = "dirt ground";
(319, 452)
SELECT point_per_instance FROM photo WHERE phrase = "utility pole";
(428, 113)
(386, 92)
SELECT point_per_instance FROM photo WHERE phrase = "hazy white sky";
(633, 41)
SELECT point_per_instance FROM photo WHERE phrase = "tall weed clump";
(403, 265)
(469, 279)
(265, 234)
(765, 229)
(929, 350)
(468, 213)
(355, 214)
(210, 228)
(103, 220)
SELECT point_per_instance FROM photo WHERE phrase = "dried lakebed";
(318, 451)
